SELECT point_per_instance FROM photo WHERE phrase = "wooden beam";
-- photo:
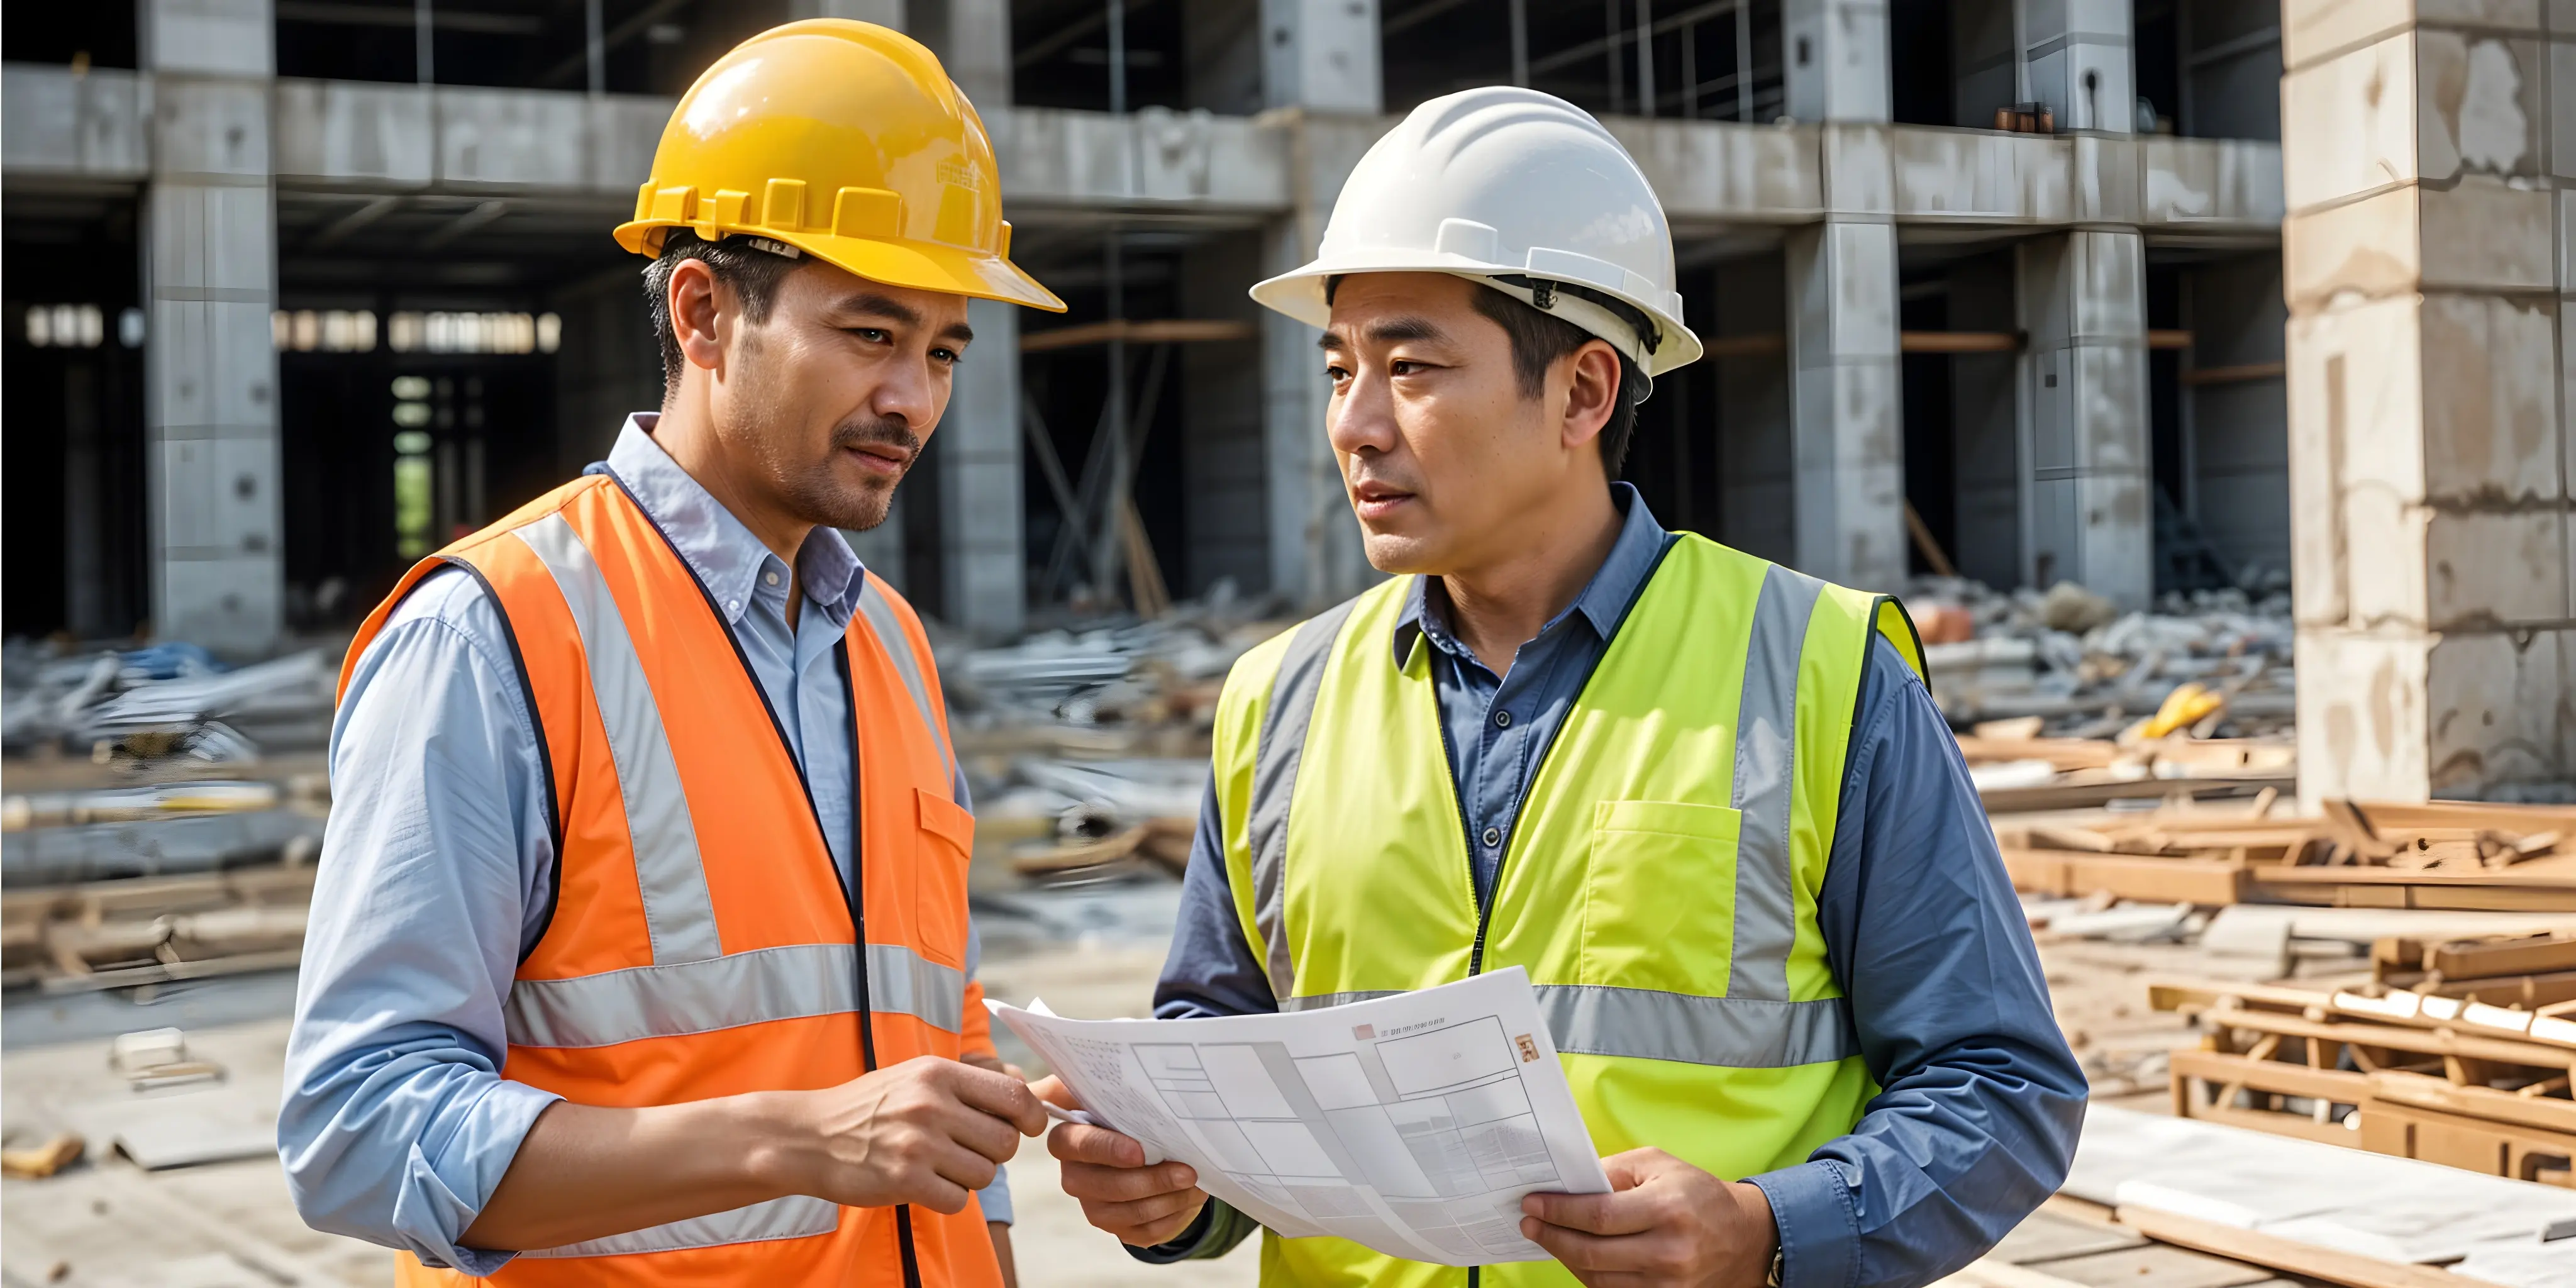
(1158, 331)
(2236, 374)
(2168, 339)
(1958, 341)
(2334, 1266)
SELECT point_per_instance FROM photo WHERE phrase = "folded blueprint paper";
(1412, 1123)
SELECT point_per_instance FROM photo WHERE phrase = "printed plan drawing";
(1412, 1123)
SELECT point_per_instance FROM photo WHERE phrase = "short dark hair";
(752, 275)
(1539, 338)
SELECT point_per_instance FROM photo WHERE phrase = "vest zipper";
(855, 891)
(851, 886)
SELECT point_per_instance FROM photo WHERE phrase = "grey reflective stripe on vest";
(795, 1217)
(1281, 748)
(678, 912)
(1731, 1032)
(730, 991)
(889, 632)
(1642, 1024)
(1766, 758)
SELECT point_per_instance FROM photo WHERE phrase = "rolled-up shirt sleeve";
(1980, 1100)
(396, 1125)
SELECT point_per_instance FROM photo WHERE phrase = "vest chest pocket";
(1659, 897)
(947, 847)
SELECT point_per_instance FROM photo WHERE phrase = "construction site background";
(2161, 353)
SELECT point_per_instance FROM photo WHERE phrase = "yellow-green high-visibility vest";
(1659, 884)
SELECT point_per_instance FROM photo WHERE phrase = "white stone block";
(2481, 108)
(2372, 248)
(2316, 29)
(229, 604)
(1722, 171)
(2485, 569)
(513, 137)
(2491, 419)
(2354, 121)
(2487, 234)
(2363, 726)
(2496, 711)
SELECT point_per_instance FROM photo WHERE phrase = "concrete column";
(2087, 513)
(885, 13)
(1322, 55)
(210, 283)
(973, 40)
(1319, 61)
(983, 560)
(2079, 63)
(1837, 59)
(1847, 409)
(2427, 169)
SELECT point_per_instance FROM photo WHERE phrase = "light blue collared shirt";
(436, 870)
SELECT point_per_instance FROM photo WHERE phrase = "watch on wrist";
(1779, 1256)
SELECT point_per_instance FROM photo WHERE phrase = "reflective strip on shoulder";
(1321, 1001)
(797, 1216)
(1730, 1032)
(678, 912)
(790, 983)
(889, 631)
(1766, 726)
(1293, 693)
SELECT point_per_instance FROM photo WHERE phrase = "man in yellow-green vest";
(1702, 799)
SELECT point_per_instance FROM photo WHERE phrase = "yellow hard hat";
(845, 141)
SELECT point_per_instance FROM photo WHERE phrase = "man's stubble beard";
(816, 496)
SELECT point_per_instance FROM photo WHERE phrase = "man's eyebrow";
(884, 306)
(959, 332)
(1391, 331)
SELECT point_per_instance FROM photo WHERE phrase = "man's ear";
(1592, 391)
(700, 311)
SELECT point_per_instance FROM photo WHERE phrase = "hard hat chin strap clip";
(1543, 295)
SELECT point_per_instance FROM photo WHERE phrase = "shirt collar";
(1603, 603)
(723, 553)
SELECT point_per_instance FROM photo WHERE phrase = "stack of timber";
(2427, 1068)
(2448, 855)
(151, 930)
(2274, 1208)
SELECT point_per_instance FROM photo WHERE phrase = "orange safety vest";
(700, 941)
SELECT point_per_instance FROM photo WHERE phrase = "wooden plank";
(2049, 1236)
(2129, 876)
(2428, 1041)
(2349, 1269)
(2154, 1265)
(2013, 800)
(2242, 371)
(2540, 1113)
(2276, 1076)
(1154, 331)
(2394, 815)
(1958, 341)
(2065, 753)
(2488, 958)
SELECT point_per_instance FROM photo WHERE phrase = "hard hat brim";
(1300, 294)
(915, 265)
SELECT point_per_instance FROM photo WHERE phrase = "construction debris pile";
(2084, 669)
(2455, 1052)
(1087, 751)
(171, 700)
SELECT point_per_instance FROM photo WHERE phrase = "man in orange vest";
(639, 948)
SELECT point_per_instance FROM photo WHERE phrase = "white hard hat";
(1521, 191)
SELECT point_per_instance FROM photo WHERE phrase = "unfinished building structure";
(1997, 278)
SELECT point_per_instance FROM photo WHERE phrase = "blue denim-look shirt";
(1980, 1100)
(396, 1124)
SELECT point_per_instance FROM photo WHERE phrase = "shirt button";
(1502, 719)
(733, 605)
(1493, 837)
(770, 577)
